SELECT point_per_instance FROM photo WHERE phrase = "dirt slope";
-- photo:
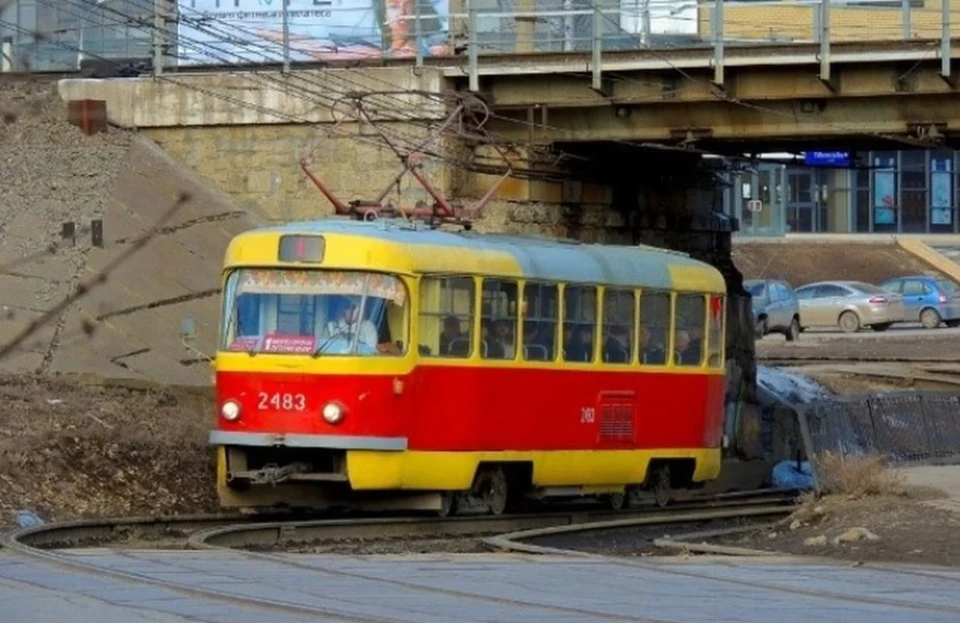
(52, 174)
(69, 450)
(800, 262)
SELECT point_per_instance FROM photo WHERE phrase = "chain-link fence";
(901, 427)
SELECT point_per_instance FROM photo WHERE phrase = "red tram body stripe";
(451, 408)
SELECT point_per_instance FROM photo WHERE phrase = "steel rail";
(27, 542)
(273, 533)
(513, 543)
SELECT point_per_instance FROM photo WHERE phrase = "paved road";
(906, 330)
(470, 588)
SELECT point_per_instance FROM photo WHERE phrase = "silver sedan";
(849, 305)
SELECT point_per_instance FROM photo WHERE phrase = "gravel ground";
(886, 528)
(638, 540)
(469, 544)
(71, 451)
(938, 344)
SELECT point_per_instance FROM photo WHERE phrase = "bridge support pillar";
(681, 210)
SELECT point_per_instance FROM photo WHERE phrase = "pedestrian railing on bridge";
(187, 33)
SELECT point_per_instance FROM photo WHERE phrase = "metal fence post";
(595, 48)
(717, 32)
(286, 35)
(159, 30)
(945, 40)
(825, 41)
(418, 34)
(810, 451)
(905, 11)
(472, 43)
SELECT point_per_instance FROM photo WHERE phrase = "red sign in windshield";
(277, 343)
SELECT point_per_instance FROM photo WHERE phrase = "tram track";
(515, 542)
(228, 536)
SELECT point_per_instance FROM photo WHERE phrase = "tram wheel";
(493, 488)
(448, 504)
(616, 501)
(661, 485)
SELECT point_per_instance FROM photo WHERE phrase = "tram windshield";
(314, 312)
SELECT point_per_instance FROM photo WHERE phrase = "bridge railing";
(184, 33)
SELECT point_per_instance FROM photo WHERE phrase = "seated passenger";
(681, 341)
(492, 349)
(651, 348)
(694, 351)
(349, 325)
(503, 334)
(581, 348)
(532, 348)
(616, 348)
(450, 333)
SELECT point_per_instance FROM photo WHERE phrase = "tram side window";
(654, 327)
(539, 321)
(618, 311)
(446, 316)
(579, 322)
(715, 335)
(689, 329)
(498, 319)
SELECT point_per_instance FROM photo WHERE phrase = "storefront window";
(942, 204)
(913, 194)
(885, 204)
(862, 199)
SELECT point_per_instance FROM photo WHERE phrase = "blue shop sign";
(826, 158)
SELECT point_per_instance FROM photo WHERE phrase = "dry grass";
(859, 477)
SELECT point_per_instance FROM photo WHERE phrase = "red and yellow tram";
(394, 364)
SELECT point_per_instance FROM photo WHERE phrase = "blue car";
(927, 300)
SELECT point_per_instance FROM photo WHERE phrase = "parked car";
(927, 300)
(849, 305)
(775, 308)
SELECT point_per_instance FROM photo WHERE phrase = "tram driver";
(350, 324)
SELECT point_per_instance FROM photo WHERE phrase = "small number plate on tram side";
(281, 401)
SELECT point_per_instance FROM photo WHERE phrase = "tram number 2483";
(279, 401)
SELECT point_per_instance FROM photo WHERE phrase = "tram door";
(759, 200)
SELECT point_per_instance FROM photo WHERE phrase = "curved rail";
(273, 533)
(512, 542)
(215, 530)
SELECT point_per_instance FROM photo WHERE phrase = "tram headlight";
(333, 412)
(230, 411)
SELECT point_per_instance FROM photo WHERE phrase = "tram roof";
(539, 258)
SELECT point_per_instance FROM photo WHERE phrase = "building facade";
(787, 21)
(911, 192)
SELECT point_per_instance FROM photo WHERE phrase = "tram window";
(689, 329)
(654, 327)
(539, 321)
(318, 313)
(446, 316)
(579, 322)
(498, 319)
(715, 335)
(618, 311)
